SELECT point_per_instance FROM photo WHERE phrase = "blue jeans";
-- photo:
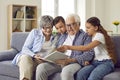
(96, 71)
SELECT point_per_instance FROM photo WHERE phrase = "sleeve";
(86, 55)
(99, 37)
(54, 41)
(28, 44)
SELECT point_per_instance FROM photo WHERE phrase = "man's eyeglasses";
(71, 25)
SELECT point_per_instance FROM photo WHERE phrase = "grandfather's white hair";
(76, 17)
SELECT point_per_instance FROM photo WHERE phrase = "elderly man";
(38, 43)
(73, 36)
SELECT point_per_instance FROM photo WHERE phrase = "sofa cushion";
(8, 69)
(113, 76)
(7, 54)
(116, 40)
(7, 78)
(18, 39)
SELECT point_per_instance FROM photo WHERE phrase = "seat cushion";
(114, 75)
(8, 69)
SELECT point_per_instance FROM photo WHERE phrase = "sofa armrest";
(8, 54)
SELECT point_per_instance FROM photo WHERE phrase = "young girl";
(104, 59)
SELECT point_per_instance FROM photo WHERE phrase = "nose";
(59, 31)
(48, 30)
(69, 28)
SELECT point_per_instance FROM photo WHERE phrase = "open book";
(56, 55)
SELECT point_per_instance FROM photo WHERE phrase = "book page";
(56, 55)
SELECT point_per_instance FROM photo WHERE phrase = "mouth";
(48, 32)
(88, 33)
(70, 31)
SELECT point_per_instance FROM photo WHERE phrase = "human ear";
(96, 28)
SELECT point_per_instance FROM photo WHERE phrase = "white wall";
(81, 12)
(3, 17)
(95, 8)
(106, 10)
(112, 13)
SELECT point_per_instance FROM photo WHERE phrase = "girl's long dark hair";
(109, 43)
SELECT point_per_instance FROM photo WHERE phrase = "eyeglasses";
(71, 25)
(47, 27)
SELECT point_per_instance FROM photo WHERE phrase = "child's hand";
(62, 48)
(87, 63)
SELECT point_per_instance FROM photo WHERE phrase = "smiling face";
(46, 24)
(60, 26)
(72, 26)
(47, 30)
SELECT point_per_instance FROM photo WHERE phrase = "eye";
(57, 28)
(87, 27)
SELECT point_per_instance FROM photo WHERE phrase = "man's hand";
(62, 62)
(86, 63)
(66, 61)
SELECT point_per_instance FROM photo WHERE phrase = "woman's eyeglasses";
(47, 27)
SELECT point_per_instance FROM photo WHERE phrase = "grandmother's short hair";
(46, 21)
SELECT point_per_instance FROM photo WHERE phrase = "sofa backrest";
(18, 39)
(116, 40)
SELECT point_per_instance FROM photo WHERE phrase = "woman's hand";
(38, 59)
(37, 56)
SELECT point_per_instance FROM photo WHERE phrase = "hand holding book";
(54, 56)
(37, 58)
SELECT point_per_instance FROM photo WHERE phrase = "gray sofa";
(9, 71)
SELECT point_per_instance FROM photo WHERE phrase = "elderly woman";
(37, 45)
